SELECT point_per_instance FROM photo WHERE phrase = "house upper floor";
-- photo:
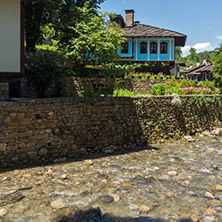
(147, 43)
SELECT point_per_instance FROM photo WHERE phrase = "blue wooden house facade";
(147, 43)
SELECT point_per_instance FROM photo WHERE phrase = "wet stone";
(208, 219)
(166, 182)
(3, 212)
(12, 198)
(106, 199)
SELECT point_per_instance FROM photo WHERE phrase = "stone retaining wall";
(73, 86)
(4, 91)
(42, 130)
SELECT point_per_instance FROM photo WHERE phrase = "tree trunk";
(30, 44)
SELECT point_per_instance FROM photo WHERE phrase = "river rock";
(3, 212)
(57, 205)
(208, 219)
(88, 162)
(218, 187)
(215, 203)
(106, 199)
(59, 160)
(172, 173)
(189, 139)
(206, 133)
(209, 195)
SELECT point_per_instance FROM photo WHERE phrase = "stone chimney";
(129, 18)
(136, 22)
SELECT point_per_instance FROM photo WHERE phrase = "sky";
(200, 20)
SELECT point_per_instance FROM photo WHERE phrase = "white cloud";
(206, 46)
(200, 47)
(219, 37)
(185, 50)
(210, 28)
(123, 2)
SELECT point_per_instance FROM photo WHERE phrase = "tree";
(37, 14)
(96, 39)
(178, 53)
(205, 55)
(217, 65)
(42, 12)
(192, 58)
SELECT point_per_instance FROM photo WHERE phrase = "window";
(163, 48)
(153, 48)
(143, 48)
(125, 47)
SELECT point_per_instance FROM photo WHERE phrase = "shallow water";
(173, 181)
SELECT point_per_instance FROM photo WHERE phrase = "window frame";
(143, 48)
(125, 48)
(153, 48)
(164, 47)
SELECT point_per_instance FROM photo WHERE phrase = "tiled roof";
(199, 70)
(141, 30)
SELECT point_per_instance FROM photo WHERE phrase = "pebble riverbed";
(174, 181)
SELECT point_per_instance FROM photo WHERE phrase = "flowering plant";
(196, 90)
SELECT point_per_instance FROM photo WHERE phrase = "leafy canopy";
(96, 38)
(217, 62)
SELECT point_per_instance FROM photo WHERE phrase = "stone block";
(3, 147)
(32, 154)
(43, 152)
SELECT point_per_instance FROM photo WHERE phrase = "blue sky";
(200, 20)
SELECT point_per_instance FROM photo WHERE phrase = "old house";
(147, 43)
(11, 43)
(200, 71)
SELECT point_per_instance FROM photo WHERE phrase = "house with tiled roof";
(146, 43)
(200, 71)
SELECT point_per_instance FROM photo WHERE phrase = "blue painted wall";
(129, 49)
(137, 56)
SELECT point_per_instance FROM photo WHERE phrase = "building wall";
(149, 57)
(10, 36)
(4, 91)
(43, 130)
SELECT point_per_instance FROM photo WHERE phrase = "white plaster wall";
(10, 36)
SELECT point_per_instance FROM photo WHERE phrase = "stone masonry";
(74, 85)
(4, 91)
(42, 130)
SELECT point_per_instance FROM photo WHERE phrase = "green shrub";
(89, 93)
(126, 93)
(158, 89)
(209, 84)
(184, 87)
(45, 70)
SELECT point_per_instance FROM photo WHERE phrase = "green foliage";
(192, 58)
(208, 84)
(96, 39)
(217, 68)
(205, 55)
(178, 53)
(126, 93)
(45, 69)
(158, 89)
(133, 66)
(55, 15)
(184, 87)
(37, 15)
(89, 93)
